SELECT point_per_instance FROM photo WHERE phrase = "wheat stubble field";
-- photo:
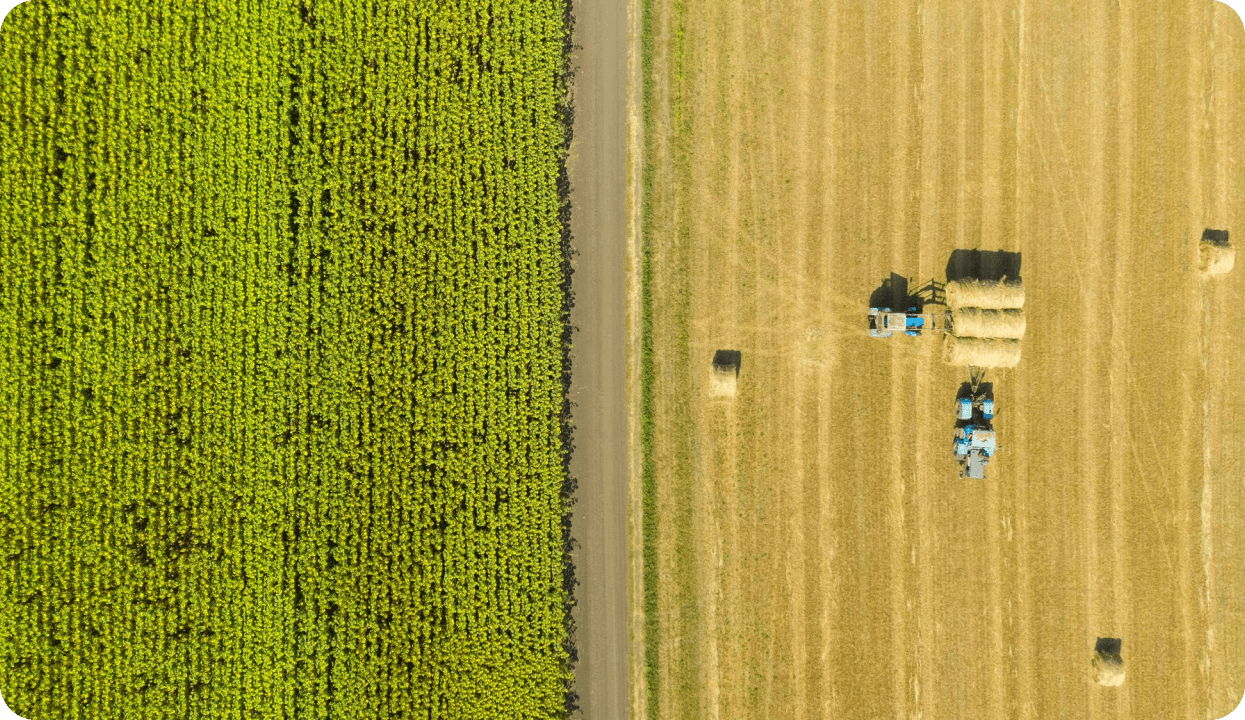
(812, 552)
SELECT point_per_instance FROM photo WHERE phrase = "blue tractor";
(893, 309)
(974, 428)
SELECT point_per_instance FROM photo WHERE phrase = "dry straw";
(981, 352)
(722, 383)
(1215, 259)
(975, 322)
(991, 295)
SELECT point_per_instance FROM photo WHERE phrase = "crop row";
(281, 360)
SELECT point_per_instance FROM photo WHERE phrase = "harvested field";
(813, 554)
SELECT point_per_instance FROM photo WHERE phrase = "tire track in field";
(848, 478)
(712, 419)
(1220, 531)
(760, 544)
(787, 686)
(1195, 670)
(1068, 179)
(1092, 438)
(768, 536)
(794, 231)
(923, 626)
(805, 230)
(1212, 216)
(754, 682)
(862, 664)
(730, 666)
(828, 585)
(1121, 308)
(900, 166)
(1026, 670)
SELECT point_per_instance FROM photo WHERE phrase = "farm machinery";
(981, 322)
(922, 312)
(974, 426)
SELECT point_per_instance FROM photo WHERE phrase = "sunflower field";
(283, 327)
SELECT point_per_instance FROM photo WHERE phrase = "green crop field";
(282, 342)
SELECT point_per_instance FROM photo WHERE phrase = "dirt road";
(816, 554)
(597, 169)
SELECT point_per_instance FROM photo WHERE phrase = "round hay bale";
(988, 294)
(981, 352)
(1214, 258)
(1108, 669)
(975, 322)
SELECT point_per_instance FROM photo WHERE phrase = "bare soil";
(817, 555)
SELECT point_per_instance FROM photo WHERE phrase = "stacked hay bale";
(981, 352)
(989, 294)
(982, 323)
(987, 323)
(1216, 256)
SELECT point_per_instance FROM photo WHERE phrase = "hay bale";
(725, 373)
(722, 384)
(1108, 669)
(975, 322)
(981, 352)
(988, 294)
(1215, 258)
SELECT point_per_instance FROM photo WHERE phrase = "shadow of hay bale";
(727, 361)
(991, 265)
(1215, 237)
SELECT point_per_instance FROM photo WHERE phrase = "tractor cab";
(974, 446)
(883, 322)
